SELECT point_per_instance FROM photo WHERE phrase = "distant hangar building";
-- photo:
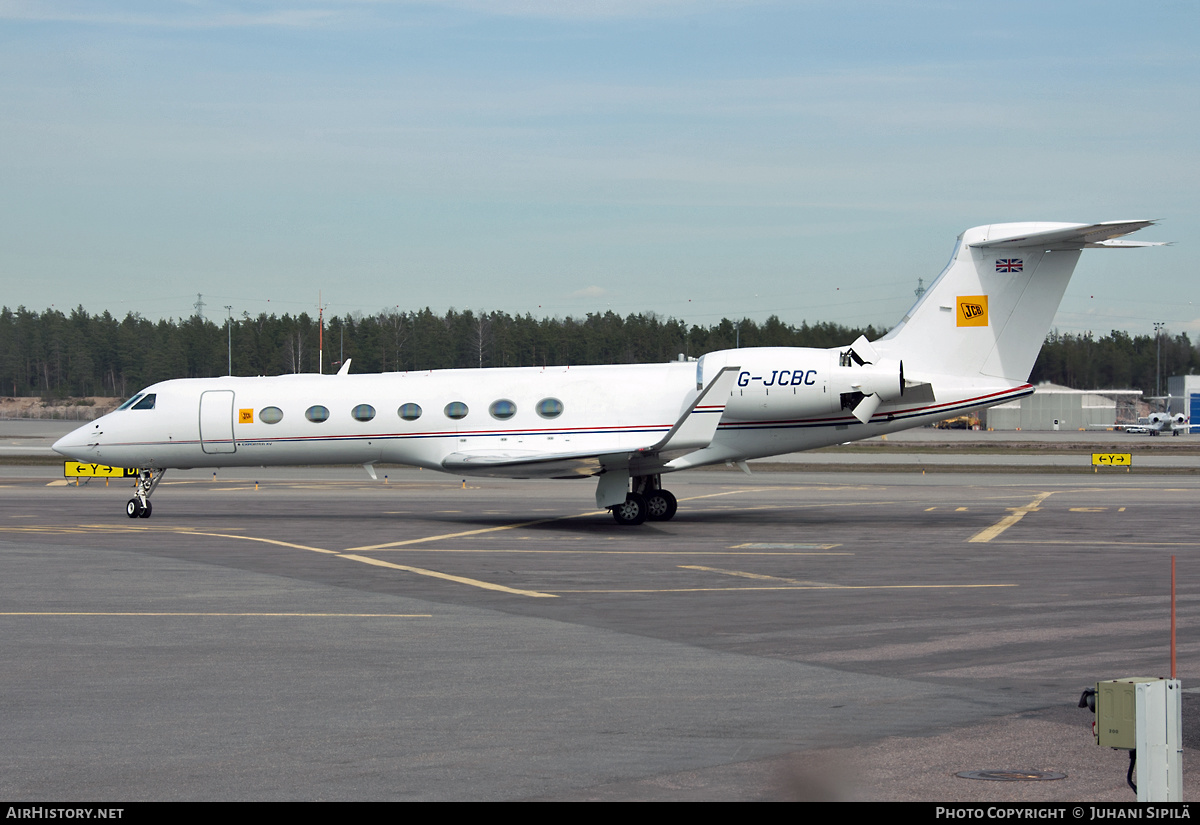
(1184, 391)
(1052, 407)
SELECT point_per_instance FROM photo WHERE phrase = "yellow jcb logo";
(972, 311)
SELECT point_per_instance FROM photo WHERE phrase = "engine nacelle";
(885, 379)
(870, 385)
(784, 383)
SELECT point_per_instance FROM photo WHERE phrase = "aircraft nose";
(79, 443)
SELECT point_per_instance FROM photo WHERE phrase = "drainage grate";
(1012, 776)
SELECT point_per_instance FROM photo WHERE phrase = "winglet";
(698, 424)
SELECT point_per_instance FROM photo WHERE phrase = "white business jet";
(1157, 422)
(968, 343)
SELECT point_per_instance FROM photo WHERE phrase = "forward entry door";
(216, 422)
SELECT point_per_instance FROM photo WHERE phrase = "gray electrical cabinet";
(1116, 712)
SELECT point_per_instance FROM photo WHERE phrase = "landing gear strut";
(139, 506)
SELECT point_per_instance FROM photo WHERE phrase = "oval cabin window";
(456, 410)
(316, 414)
(363, 412)
(549, 408)
(270, 415)
(410, 412)
(503, 409)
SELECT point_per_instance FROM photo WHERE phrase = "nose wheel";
(135, 509)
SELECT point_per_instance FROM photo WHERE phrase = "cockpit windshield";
(141, 401)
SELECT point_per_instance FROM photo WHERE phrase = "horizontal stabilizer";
(1060, 236)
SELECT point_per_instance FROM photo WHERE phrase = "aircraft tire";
(133, 508)
(632, 511)
(661, 505)
(145, 513)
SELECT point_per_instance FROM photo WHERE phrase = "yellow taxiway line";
(234, 615)
(421, 571)
(361, 559)
(759, 576)
(352, 553)
(800, 587)
(1018, 513)
(408, 542)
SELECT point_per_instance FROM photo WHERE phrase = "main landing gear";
(139, 506)
(647, 501)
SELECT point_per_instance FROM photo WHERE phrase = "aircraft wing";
(1074, 236)
(693, 431)
(529, 464)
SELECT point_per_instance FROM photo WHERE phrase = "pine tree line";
(55, 355)
(1116, 361)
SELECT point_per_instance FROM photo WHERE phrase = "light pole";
(1158, 328)
(229, 335)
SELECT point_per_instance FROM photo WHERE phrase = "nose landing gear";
(139, 506)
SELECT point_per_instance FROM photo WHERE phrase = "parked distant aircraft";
(968, 343)
(1155, 423)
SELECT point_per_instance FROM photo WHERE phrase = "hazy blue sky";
(695, 159)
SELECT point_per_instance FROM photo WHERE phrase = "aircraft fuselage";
(969, 342)
(783, 400)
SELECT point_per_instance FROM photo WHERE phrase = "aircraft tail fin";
(989, 310)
